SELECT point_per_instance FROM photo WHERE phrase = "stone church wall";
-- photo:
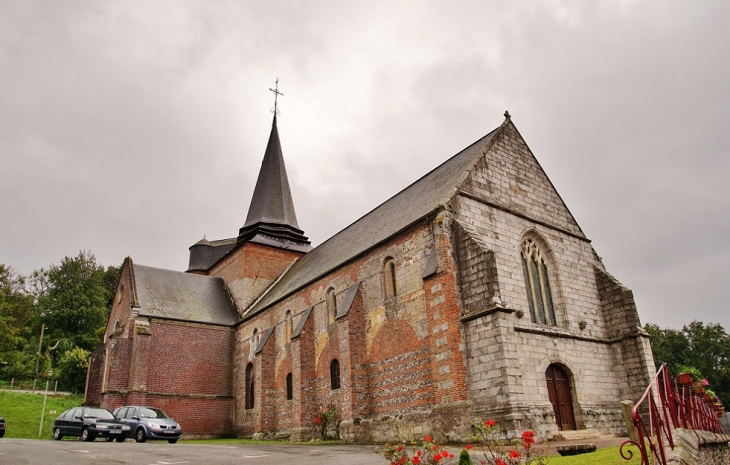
(508, 354)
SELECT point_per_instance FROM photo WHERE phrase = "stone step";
(580, 434)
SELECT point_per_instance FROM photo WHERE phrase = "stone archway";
(561, 396)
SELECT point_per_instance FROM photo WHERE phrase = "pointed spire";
(271, 213)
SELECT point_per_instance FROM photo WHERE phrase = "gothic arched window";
(334, 374)
(331, 306)
(289, 387)
(249, 386)
(537, 284)
(389, 284)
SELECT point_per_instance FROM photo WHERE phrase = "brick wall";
(187, 358)
(252, 269)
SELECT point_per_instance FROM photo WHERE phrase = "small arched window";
(334, 374)
(289, 324)
(249, 386)
(537, 284)
(389, 284)
(289, 388)
(331, 306)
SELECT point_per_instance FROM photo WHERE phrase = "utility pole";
(45, 394)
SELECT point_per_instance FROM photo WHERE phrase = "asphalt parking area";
(69, 452)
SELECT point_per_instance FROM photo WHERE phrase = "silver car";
(149, 423)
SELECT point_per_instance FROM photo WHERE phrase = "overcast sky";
(136, 127)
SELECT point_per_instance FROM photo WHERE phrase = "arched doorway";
(558, 384)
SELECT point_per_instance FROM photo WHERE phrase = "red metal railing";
(667, 405)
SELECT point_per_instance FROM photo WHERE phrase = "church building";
(472, 293)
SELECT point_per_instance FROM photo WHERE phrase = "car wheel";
(120, 439)
(140, 436)
(172, 441)
(86, 435)
(57, 434)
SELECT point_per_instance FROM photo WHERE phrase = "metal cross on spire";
(276, 96)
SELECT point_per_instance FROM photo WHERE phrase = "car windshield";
(98, 413)
(145, 412)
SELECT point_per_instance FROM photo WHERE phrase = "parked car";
(89, 423)
(2, 427)
(148, 423)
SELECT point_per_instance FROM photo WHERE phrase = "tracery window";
(331, 306)
(249, 386)
(389, 283)
(537, 284)
(334, 374)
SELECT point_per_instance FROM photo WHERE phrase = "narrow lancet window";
(389, 283)
(335, 374)
(249, 386)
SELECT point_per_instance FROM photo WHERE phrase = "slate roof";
(271, 212)
(399, 212)
(183, 296)
(205, 253)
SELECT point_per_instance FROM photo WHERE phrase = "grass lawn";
(607, 456)
(22, 413)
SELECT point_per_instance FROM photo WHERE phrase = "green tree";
(669, 346)
(705, 347)
(16, 314)
(71, 369)
(74, 300)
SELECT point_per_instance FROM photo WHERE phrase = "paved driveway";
(32, 452)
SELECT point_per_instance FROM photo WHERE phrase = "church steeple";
(271, 214)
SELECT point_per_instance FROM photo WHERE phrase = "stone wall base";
(698, 448)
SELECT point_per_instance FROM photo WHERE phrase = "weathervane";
(276, 92)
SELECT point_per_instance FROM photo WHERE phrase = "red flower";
(490, 423)
(418, 453)
(437, 458)
(318, 420)
(451, 456)
(468, 447)
(500, 462)
(400, 447)
(513, 454)
(427, 438)
(435, 447)
(416, 460)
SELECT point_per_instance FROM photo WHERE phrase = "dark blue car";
(148, 423)
(89, 423)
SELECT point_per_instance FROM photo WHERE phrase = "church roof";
(271, 212)
(404, 209)
(183, 296)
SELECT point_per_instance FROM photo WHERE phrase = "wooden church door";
(558, 384)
